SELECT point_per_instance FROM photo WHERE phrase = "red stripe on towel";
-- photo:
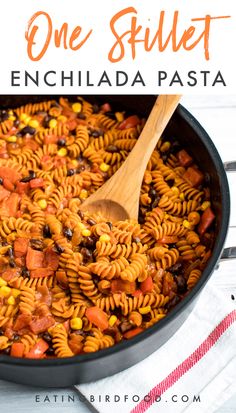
(187, 364)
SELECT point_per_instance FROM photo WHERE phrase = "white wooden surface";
(218, 116)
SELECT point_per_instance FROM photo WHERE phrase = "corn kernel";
(12, 117)
(12, 139)
(10, 112)
(83, 194)
(5, 291)
(52, 123)
(119, 116)
(27, 120)
(15, 293)
(2, 282)
(145, 310)
(11, 300)
(42, 203)
(62, 152)
(104, 238)
(76, 323)
(104, 167)
(165, 147)
(33, 123)
(175, 190)
(74, 162)
(23, 116)
(62, 118)
(21, 126)
(182, 197)
(86, 233)
(112, 320)
(76, 107)
(186, 224)
(205, 205)
(81, 225)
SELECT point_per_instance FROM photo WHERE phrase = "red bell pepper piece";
(34, 259)
(41, 324)
(106, 107)
(98, 317)
(184, 158)
(37, 183)
(123, 286)
(20, 247)
(133, 333)
(38, 350)
(147, 285)
(9, 173)
(193, 176)
(129, 122)
(207, 218)
(17, 349)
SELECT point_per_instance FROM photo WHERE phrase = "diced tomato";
(40, 324)
(168, 239)
(22, 187)
(147, 285)
(10, 273)
(17, 349)
(38, 350)
(34, 259)
(59, 161)
(8, 185)
(41, 273)
(37, 183)
(20, 246)
(51, 259)
(22, 321)
(193, 176)
(44, 295)
(62, 278)
(10, 205)
(3, 193)
(133, 333)
(123, 286)
(51, 210)
(50, 139)
(129, 122)
(207, 218)
(106, 107)
(75, 343)
(98, 317)
(184, 158)
(72, 123)
(9, 173)
(137, 293)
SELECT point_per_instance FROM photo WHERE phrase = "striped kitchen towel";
(194, 372)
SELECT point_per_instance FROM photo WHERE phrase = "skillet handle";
(230, 166)
(228, 253)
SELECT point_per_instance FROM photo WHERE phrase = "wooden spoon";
(118, 198)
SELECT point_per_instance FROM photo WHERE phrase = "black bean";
(80, 169)
(95, 133)
(152, 193)
(47, 120)
(171, 182)
(81, 214)
(175, 300)
(1, 181)
(61, 142)
(176, 268)
(87, 254)
(137, 240)
(81, 115)
(112, 149)
(91, 221)
(95, 108)
(88, 242)
(25, 273)
(70, 172)
(47, 337)
(16, 123)
(46, 231)
(28, 129)
(232, 298)
(10, 253)
(155, 202)
(1, 332)
(68, 233)
(16, 337)
(181, 283)
(50, 351)
(141, 219)
(59, 249)
(3, 115)
(109, 224)
(12, 263)
(175, 147)
(7, 351)
(32, 175)
(111, 115)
